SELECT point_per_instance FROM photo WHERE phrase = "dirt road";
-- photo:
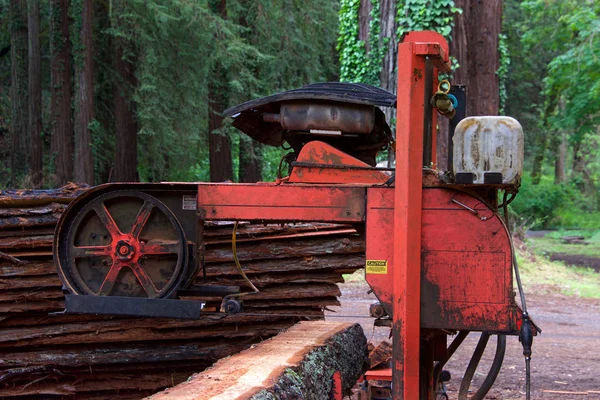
(566, 357)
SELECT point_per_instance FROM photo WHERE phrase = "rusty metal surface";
(269, 202)
(329, 116)
(122, 243)
(380, 245)
(310, 167)
(466, 281)
(406, 274)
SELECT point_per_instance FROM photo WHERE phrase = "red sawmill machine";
(439, 255)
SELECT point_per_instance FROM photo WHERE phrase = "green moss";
(312, 379)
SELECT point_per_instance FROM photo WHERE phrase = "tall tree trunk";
(18, 90)
(250, 165)
(388, 76)
(475, 46)
(559, 163)
(61, 114)
(364, 19)
(35, 91)
(221, 168)
(126, 123)
(84, 111)
(580, 171)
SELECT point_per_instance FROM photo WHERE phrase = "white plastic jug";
(489, 144)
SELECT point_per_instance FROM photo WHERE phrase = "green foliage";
(173, 41)
(180, 47)
(552, 89)
(357, 64)
(574, 75)
(419, 15)
(548, 205)
(541, 204)
(503, 70)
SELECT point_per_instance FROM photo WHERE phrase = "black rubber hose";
(466, 382)
(494, 369)
(437, 369)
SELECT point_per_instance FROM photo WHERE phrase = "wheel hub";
(125, 251)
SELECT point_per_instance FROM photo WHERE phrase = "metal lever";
(474, 211)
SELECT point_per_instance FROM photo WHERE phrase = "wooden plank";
(283, 365)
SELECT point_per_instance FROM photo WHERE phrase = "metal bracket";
(133, 306)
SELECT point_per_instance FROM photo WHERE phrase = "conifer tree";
(60, 89)
(18, 90)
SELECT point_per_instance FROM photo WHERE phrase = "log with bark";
(297, 364)
(43, 354)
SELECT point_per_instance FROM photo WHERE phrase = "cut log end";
(298, 364)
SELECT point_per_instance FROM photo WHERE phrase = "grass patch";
(537, 270)
(551, 243)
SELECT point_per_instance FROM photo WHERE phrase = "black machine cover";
(247, 117)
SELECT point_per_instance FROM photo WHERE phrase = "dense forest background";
(99, 91)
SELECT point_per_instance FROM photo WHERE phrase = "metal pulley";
(121, 243)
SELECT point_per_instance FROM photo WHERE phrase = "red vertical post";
(407, 223)
(434, 128)
(337, 391)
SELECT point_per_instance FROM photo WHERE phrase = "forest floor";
(565, 356)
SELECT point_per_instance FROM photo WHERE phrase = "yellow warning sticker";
(377, 267)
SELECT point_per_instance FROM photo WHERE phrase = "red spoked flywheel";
(122, 243)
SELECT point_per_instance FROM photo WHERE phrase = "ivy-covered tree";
(370, 55)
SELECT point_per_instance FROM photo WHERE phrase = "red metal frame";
(465, 271)
(406, 323)
(438, 257)
(337, 390)
(323, 164)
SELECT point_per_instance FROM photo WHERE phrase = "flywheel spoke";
(160, 248)
(141, 219)
(110, 279)
(144, 279)
(90, 251)
(123, 235)
(107, 220)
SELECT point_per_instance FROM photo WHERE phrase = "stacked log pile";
(49, 355)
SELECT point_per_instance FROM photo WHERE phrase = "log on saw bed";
(296, 364)
(296, 268)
